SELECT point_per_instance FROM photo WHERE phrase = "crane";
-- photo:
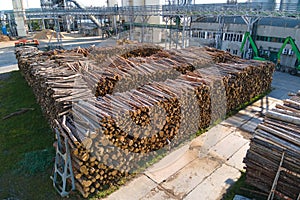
(281, 65)
(247, 36)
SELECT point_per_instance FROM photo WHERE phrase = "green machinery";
(247, 36)
(288, 55)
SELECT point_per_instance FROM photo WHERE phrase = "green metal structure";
(247, 36)
(292, 69)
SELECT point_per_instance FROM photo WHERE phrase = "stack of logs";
(120, 111)
(138, 67)
(53, 81)
(277, 139)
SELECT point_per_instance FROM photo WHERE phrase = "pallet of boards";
(123, 131)
(278, 134)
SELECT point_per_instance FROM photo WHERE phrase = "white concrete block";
(135, 189)
(185, 180)
(170, 164)
(236, 160)
(228, 146)
(213, 187)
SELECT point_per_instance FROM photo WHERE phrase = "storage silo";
(112, 3)
(142, 31)
(263, 4)
(19, 14)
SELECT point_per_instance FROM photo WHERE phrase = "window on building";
(269, 39)
(235, 52)
(233, 37)
(195, 33)
(202, 34)
(228, 50)
(225, 36)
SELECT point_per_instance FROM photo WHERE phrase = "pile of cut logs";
(276, 145)
(55, 84)
(119, 111)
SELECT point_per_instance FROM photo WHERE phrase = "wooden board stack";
(164, 98)
(278, 134)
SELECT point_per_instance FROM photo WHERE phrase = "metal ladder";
(62, 168)
(274, 185)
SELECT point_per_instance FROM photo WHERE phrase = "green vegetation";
(32, 162)
(22, 133)
(26, 151)
(34, 25)
(110, 189)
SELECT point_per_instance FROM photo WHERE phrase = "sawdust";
(46, 34)
(4, 38)
(125, 41)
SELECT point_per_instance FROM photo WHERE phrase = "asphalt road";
(8, 60)
(284, 83)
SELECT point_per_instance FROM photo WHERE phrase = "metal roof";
(265, 21)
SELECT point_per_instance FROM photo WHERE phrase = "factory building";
(225, 32)
(268, 33)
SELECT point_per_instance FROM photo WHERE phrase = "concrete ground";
(205, 167)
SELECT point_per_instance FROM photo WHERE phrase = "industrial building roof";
(265, 21)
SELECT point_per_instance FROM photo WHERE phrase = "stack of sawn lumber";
(278, 134)
(114, 133)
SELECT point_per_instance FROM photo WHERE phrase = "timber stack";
(120, 108)
(54, 83)
(276, 146)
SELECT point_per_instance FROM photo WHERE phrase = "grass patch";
(26, 140)
(36, 161)
(107, 191)
(22, 133)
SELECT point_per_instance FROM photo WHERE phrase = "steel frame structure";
(169, 12)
